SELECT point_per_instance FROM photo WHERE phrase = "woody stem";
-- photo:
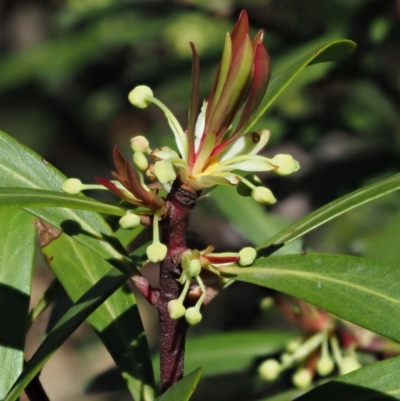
(181, 201)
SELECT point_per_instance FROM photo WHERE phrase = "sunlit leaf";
(379, 381)
(329, 212)
(183, 390)
(17, 250)
(12, 197)
(90, 244)
(360, 290)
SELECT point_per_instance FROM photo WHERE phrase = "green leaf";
(17, 250)
(379, 381)
(84, 306)
(249, 217)
(183, 390)
(362, 291)
(332, 51)
(11, 197)
(20, 167)
(214, 354)
(117, 321)
(329, 212)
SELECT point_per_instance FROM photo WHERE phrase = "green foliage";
(15, 290)
(66, 96)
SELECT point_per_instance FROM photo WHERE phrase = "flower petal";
(247, 163)
(193, 104)
(249, 144)
(206, 181)
(199, 130)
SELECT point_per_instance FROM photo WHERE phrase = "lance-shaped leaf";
(17, 250)
(14, 197)
(362, 291)
(378, 381)
(329, 212)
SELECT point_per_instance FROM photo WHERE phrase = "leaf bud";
(140, 95)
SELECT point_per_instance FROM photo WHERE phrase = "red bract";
(127, 176)
(242, 79)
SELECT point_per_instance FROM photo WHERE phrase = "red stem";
(181, 201)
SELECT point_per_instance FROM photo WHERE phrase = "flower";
(211, 150)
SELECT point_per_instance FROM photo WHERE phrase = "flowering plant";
(159, 188)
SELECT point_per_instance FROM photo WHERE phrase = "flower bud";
(164, 171)
(163, 153)
(139, 96)
(176, 309)
(349, 364)
(72, 186)
(263, 195)
(156, 252)
(129, 221)
(325, 366)
(193, 315)
(194, 268)
(140, 144)
(286, 164)
(302, 379)
(269, 370)
(247, 256)
(140, 161)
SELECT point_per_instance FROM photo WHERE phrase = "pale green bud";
(129, 221)
(247, 256)
(293, 345)
(267, 303)
(349, 364)
(163, 153)
(302, 379)
(269, 370)
(156, 252)
(139, 96)
(193, 316)
(286, 164)
(194, 268)
(325, 366)
(140, 144)
(164, 171)
(176, 309)
(263, 195)
(72, 186)
(140, 160)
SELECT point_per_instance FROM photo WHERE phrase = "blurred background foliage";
(66, 67)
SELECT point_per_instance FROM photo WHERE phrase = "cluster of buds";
(211, 151)
(193, 261)
(329, 345)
